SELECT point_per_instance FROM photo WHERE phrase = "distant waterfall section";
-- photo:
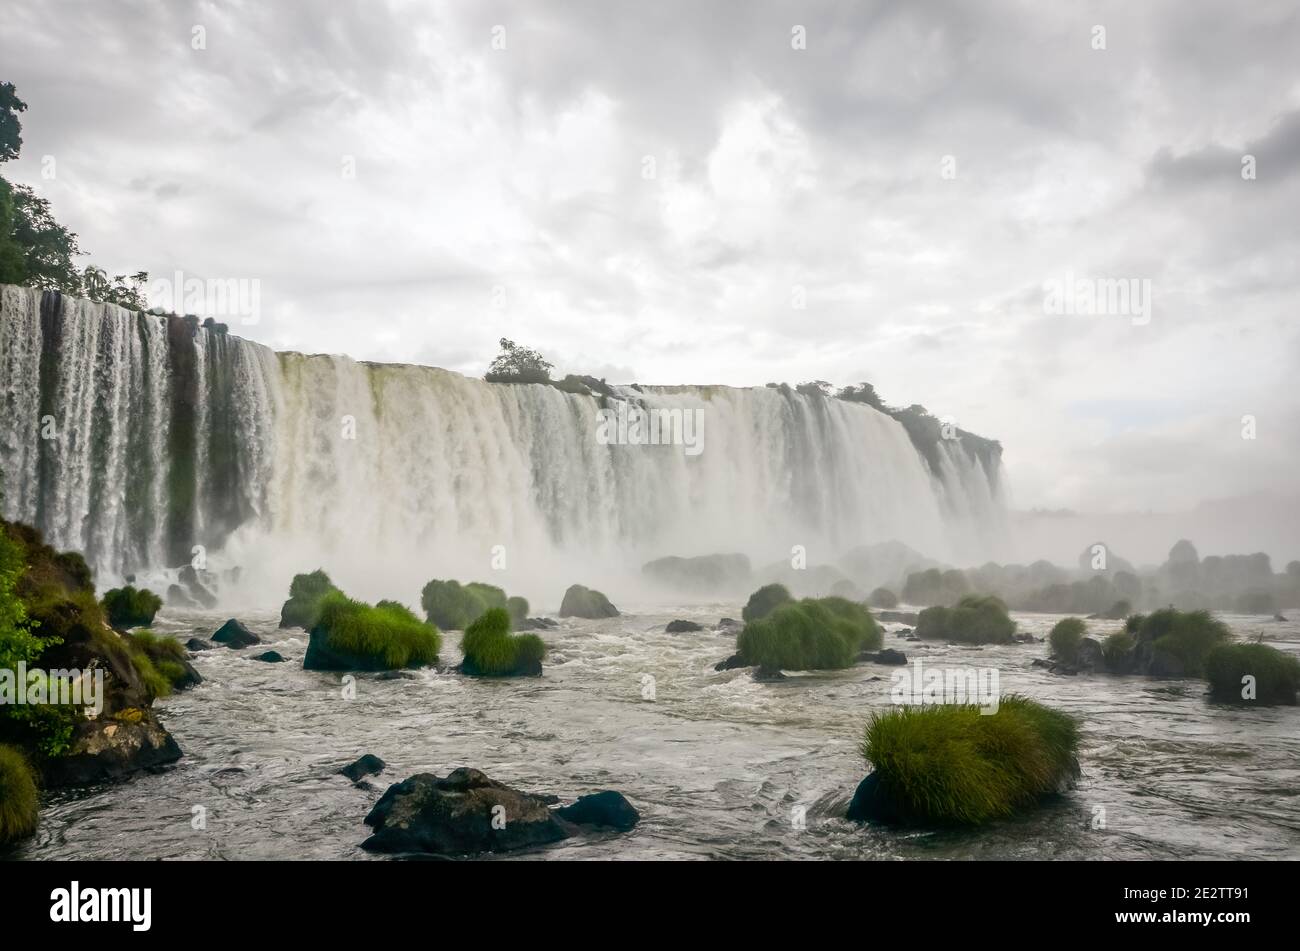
(145, 440)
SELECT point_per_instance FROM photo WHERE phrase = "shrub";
(305, 595)
(812, 634)
(518, 364)
(764, 601)
(1066, 636)
(1277, 675)
(492, 651)
(883, 598)
(453, 607)
(952, 765)
(1187, 636)
(352, 635)
(977, 619)
(130, 606)
(19, 801)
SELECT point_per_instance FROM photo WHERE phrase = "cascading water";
(144, 440)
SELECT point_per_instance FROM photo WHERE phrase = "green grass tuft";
(454, 607)
(976, 619)
(19, 800)
(130, 606)
(1188, 636)
(492, 651)
(1066, 636)
(1277, 675)
(812, 634)
(952, 765)
(1116, 648)
(764, 601)
(386, 635)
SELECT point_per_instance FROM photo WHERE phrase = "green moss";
(453, 606)
(385, 636)
(161, 661)
(1066, 636)
(492, 651)
(19, 800)
(952, 765)
(1188, 636)
(764, 601)
(1276, 675)
(812, 634)
(976, 619)
(130, 606)
(305, 595)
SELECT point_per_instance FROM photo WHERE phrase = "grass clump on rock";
(945, 765)
(1173, 643)
(454, 607)
(1252, 673)
(162, 663)
(305, 595)
(1066, 636)
(976, 619)
(19, 800)
(812, 634)
(764, 601)
(130, 606)
(492, 651)
(353, 635)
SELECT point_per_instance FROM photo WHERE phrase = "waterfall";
(148, 441)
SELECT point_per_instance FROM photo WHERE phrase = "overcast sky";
(640, 190)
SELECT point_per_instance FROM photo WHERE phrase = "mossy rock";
(129, 607)
(586, 603)
(951, 765)
(352, 635)
(976, 619)
(451, 606)
(306, 592)
(764, 601)
(492, 651)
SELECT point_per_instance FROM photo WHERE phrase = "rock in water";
(683, 627)
(607, 808)
(195, 644)
(461, 814)
(113, 749)
(270, 657)
(586, 603)
(367, 765)
(871, 803)
(234, 634)
(734, 662)
(887, 656)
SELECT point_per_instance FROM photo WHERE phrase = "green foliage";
(11, 140)
(977, 619)
(1277, 675)
(1066, 636)
(764, 601)
(387, 634)
(161, 661)
(952, 765)
(17, 641)
(518, 364)
(305, 595)
(130, 606)
(19, 800)
(453, 606)
(1117, 647)
(883, 598)
(862, 393)
(1187, 635)
(492, 651)
(812, 634)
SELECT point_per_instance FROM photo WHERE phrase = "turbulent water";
(145, 441)
(717, 764)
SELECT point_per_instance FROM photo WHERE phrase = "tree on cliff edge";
(518, 364)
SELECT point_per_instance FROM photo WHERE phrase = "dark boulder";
(235, 635)
(196, 644)
(367, 765)
(112, 748)
(887, 656)
(461, 814)
(1088, 655)
(872, 803)
(270, 657)
(768, 675)
(683, 627)
(606, 808)
(734, 662)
